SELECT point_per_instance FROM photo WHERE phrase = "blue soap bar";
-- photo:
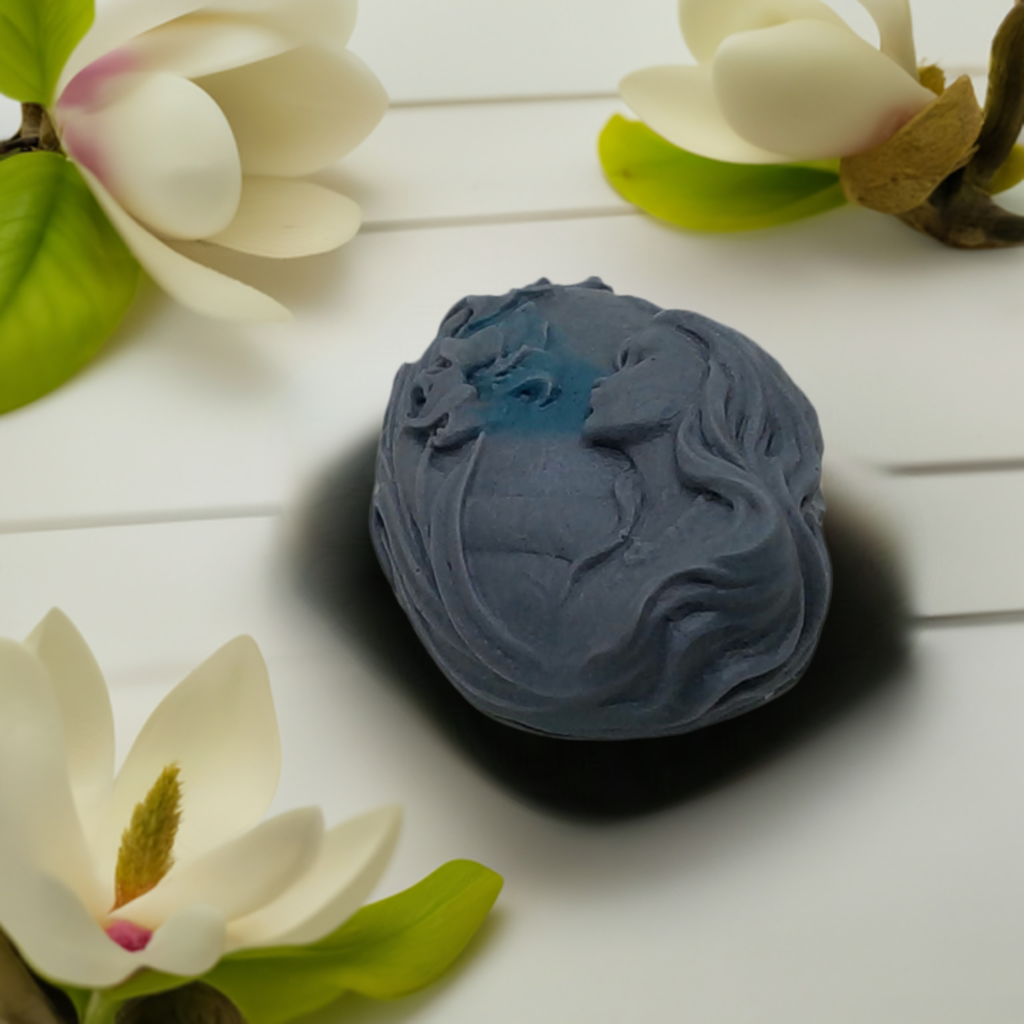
(603, 519)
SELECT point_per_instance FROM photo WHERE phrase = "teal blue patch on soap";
(538, 387)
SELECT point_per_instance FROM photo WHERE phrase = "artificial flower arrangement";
(789, 113)
(153, 130)
(156, 893)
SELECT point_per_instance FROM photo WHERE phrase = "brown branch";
(961, 212)
(1004, 102)
(35, 134)
(964, 216)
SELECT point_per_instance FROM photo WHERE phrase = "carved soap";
(603, 518)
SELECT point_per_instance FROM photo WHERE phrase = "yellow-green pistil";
(147, 844)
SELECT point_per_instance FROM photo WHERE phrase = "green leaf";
(709, 195)
(1010, 174)
(36, 39)
(66, 277)
(385, 950)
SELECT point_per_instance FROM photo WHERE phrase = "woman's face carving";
(655, 375)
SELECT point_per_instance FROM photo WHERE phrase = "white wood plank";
(870, 873)
(486, 160)
(459, 49)
(961, 535)
(885, 330)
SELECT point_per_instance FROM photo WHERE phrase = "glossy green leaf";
(66, 277)
(387, 949)
(709, 195)
(36, 39)
(1011, 173)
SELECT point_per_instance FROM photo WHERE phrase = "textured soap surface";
(602, 518)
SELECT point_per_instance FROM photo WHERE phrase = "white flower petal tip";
(238, 877)
(196, 287)
(84, 703)
(300, 112)
(352, 858)
(705, 24)
(189, 943)
(782, 80)
(282, 219)
(896, 31)
(220, 728)
(813, 90)
(225, 881)
(168, 106)
(679, 104)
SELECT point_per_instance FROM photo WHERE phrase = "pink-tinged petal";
(895, 30)
(205, 44)
(239, 876)
(165, 152)
(99, 82)
(58, 936)
(325, 22)
(188, 944)
(219, 727)
(812, 90)
(117, 22)
(39, 825)
(299, 112)
(281, 218)
(679, 104)
(706, 23)
(352, 859)
(86, 716)
(199, 288)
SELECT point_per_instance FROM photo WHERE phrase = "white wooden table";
(873, 874)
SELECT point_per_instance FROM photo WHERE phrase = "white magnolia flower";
(782, 80)
(234, 883)
(191, 120)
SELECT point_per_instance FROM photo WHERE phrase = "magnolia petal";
(219, 727)
(298, 112)
(679, 104)
(165, 152)
(281, 219)
(812, 90)
(188, 944)
(58, 936)
(205, 44)
(117, 22)
(86, 715)
(199, 288)
(39, 826)
(326, 22)
(237, 877)
(706, 23)
(352, 859)
(895, 31)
